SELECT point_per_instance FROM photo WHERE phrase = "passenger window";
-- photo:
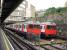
(37, 26)
(19, 26)
(30, 26)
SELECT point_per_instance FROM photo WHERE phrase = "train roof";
(43, 23)
(48, 23)
(32, 22)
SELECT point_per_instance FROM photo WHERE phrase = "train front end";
(49, 29)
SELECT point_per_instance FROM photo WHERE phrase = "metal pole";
(25, 9)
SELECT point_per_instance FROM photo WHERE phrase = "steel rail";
(29, 47)
(4, 42)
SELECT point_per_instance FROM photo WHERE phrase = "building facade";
(66, 4)
(23, 11)
(18, 13)
(40, 13)
(33, 10)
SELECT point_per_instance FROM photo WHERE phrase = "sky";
(45, 4)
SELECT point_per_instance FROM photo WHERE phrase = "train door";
(16, 26)
(20, 27)
(25, 27)
(43, 27)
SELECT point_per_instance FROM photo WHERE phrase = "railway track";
(55, 45)
(15, 45)
(61, 37)
(48, 47)
(19, 42)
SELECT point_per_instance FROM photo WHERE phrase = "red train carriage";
(47, 28)
(38, 29)
(34, 29)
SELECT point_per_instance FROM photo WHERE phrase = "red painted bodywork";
(36, 31)
(22, 27)
(50, 32)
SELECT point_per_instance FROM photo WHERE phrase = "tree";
(56, 12)
(50, 11)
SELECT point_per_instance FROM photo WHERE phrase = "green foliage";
(54, 10)
(59, 22)
(50, 11)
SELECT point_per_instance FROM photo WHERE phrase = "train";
(44, 29)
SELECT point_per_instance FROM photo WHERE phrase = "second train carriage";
(46, 28)
(37, 29)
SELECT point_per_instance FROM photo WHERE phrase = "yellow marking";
(7, 47)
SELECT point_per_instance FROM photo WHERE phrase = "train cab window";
(42, 27)
(30, 26)
(51, 27)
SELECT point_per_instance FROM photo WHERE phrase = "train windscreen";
(51, 27)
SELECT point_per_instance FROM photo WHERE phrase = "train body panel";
(32, 28)
(49, 29)
(46, 28)
(50, 32)
(36, 31)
